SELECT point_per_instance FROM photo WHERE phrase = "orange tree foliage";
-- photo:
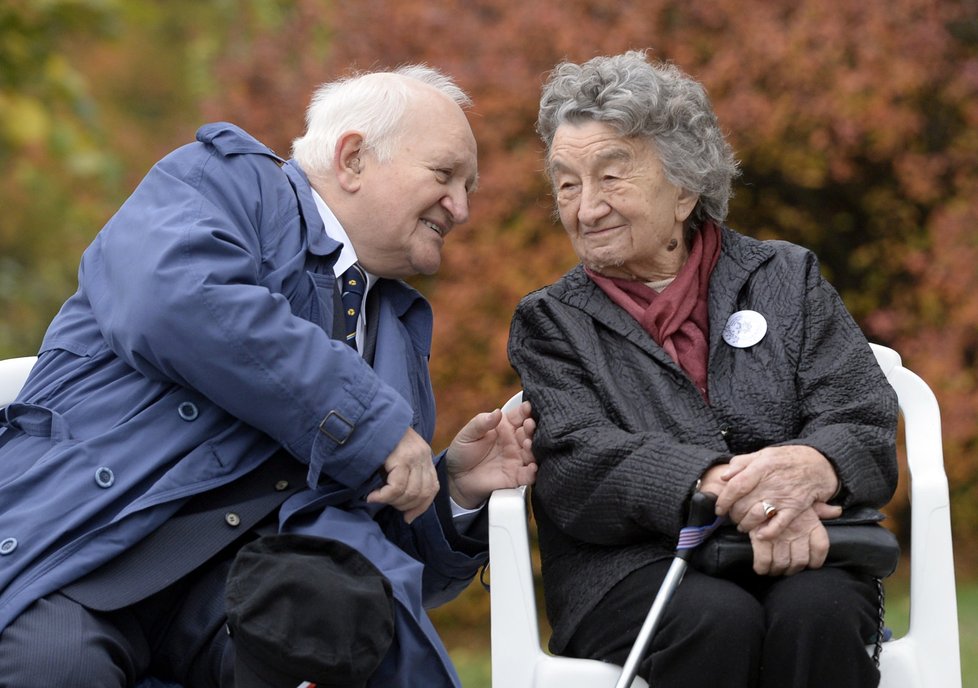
(855, 124)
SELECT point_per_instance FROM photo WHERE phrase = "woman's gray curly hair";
(657, 102)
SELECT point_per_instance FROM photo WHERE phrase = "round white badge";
(744, 329)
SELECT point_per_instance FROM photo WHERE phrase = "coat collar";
(578, 291)
(320, 243)
(230, 139)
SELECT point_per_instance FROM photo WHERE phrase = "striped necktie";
(352, 290)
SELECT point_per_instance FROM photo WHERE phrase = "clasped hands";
(797, 481)
(492, 451)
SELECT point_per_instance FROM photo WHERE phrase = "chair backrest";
(926, 657)
(929, 654)
(13, 374)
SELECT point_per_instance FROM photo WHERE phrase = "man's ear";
(347, 162)
(685, 204)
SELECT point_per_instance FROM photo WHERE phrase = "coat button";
(281, 485)
(8, 545)
(104, 477)
(188, 411)
(724, 433)
(232, 519)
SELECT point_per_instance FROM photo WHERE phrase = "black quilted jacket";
(623, 433)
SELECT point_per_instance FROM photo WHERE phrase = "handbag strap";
(880, 628)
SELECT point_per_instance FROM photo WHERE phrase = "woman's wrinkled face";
(623, 217)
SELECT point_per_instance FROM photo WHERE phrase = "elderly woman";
(680, 355)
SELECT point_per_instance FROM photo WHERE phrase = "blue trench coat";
(197, 346)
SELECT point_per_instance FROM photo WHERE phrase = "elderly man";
(219, 470)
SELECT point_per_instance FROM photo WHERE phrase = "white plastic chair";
(518, 660)
(928, 656)
(13, 373)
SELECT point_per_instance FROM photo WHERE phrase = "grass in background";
(473, 662)
(968, 628)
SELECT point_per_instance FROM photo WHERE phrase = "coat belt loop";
(36, 421)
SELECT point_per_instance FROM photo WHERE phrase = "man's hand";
(412, 481)
(491, 452)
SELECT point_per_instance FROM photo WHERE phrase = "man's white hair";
(372, 103)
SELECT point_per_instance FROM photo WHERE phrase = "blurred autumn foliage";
(856, 124)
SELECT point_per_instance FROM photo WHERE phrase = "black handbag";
(858, 541)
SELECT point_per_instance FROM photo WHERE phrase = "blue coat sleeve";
(189, 282)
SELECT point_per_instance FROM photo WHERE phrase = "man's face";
(410, 203)
(619, 210)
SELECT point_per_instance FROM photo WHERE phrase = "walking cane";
(702, 522)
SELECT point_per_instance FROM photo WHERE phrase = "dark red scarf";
(678, 317)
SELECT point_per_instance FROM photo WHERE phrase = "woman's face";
(623, 217)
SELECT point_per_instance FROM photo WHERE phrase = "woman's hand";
(766, 491)
(803, 543)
